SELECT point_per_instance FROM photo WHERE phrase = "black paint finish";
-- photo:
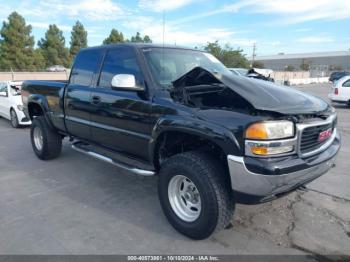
(132, 121)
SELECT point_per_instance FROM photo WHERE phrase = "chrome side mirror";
(125, 82)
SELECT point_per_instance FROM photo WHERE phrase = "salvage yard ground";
(78, 205)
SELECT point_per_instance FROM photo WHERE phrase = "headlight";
(20, 107)
(264, 138)
(270, 130)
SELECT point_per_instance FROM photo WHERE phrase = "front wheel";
(195, 195)
(14, 119)
(46, 143)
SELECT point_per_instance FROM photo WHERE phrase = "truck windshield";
(168, 64)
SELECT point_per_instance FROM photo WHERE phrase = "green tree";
(114, 37)
(147, 39)
(258, 64)
(227, 55)
(214, 48)
(53, 47)
(139, 39)
(16, 44)
(305, 65)
(78, 39)
(39, 59)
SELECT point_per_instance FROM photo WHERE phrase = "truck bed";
(52, 92)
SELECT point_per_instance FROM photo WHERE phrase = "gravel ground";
(78, 205)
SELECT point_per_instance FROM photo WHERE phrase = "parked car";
(239, 71)
(56, 68)
(262, 74)
(341, 91)
(11, 106)
(335, 76)
(212, 138)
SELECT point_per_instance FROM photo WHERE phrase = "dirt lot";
(78, 205)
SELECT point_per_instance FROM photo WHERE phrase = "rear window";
(85, 65)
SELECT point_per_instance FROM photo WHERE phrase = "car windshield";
(168, 64)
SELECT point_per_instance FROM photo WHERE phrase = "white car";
(341, 91)
(11, 106)
(56, 68)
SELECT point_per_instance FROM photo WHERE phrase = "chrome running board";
(137, 171)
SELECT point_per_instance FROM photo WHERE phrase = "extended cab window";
(119, 61)
(85, 65)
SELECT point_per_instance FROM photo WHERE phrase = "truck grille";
(310, 137)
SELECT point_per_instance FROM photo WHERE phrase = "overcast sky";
(289, 26)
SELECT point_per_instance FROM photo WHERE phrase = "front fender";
(218, 135)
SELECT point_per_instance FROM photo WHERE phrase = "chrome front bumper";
(266, 186)
(244, 181)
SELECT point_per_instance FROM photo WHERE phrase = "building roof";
(303, 55)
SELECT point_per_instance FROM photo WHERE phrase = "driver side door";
(120, 118)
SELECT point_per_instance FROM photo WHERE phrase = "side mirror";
(3, 93)
(125, 82)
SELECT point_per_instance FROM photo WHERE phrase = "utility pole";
(254, 54)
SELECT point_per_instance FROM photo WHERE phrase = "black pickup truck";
(212, 138)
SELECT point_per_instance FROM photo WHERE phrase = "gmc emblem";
(324, 135)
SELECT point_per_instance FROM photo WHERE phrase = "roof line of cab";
(138, 46)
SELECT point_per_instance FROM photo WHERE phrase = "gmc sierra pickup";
(213, 139)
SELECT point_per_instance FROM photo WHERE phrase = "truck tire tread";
(52, 141)
(206, 168)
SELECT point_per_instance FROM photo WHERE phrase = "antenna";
(162, 59)
(163, 27)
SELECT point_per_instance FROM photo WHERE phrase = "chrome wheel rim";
(38, 138)
(13, 118)
(184, 198)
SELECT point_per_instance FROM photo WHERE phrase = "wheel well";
(174, 142)
(34, 110)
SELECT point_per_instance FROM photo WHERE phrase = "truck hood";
(262, 95)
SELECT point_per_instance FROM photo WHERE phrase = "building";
(320, 63)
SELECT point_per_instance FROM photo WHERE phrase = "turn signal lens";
(257, 131)
(270, 130)
(259, 150)
(266, 151)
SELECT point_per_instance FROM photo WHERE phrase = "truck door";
(120, 118)
(78, 92)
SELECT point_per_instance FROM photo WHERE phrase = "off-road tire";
(217, 205)
(51, 140)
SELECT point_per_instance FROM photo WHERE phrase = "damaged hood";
(262, 95)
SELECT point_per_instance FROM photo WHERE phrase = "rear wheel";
(46, 143)
(14, 119)
(194, 195)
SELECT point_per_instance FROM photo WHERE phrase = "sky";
(276, 26)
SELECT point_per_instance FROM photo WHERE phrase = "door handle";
(96, 99)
